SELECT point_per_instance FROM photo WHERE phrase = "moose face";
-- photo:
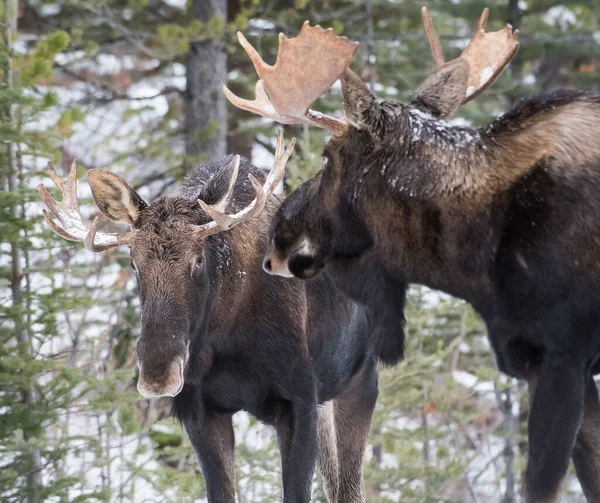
(291, 250)
(170, 268)
(168, 259)
(321, 220)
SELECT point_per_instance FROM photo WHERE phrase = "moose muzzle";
(165, 381)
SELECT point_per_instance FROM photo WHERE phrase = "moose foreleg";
(214, 442)
(328, 454)
(554, 422)
(353, 413)
(298, 443)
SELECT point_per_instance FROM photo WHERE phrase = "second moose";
(506, 217)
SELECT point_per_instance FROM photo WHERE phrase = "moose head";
(176, 272)
(323, 218)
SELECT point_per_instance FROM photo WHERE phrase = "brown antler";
(306, 67)
(487, 53)
(67, 211)
(221, 220)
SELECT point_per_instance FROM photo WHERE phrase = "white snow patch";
(162, 428)
(261, 24)
(49, 9)
(180, 4)
(471, 381)
(560, 16)
(463, 347)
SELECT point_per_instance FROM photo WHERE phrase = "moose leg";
(554, 421)
(328, 455)
(298, 442)
(214, 443)
(586, 454)
(353, 413)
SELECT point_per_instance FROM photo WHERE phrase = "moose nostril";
(267, 265)
(302, 266)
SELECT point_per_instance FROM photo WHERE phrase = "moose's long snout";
(168, 382)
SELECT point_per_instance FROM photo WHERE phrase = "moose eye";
(198, 268)
(325, 160)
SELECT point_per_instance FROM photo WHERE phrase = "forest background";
(134, 87)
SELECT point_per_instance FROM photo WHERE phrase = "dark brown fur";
(506, 217)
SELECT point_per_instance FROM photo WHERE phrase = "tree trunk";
(205, 104)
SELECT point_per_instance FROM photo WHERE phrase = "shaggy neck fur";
(426, 157)
(443, 189)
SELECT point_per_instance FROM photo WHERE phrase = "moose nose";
(272, 264)
(170, 383)
(267, 265)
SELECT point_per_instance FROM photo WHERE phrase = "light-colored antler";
(434, 41)
(223, 221)
(67, 212)
(487, 53)
(306, 67)
(72, 227)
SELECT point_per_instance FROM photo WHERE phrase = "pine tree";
(23, 399)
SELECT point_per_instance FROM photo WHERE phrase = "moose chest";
(243, 382)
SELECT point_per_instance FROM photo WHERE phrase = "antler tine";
(222, 221)
(279, 162)
(487, 55)
(434, 41)
(261, 105)
(286, 90)
(105, 241)
(221, 205)
(259, 65)
(482, 24)
(67, 212)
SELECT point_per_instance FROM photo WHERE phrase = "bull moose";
(220, 335)
(506, 217)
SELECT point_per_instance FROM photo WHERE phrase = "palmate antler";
(306, 67)
(67, 212)
(487, 53)
(70, 224)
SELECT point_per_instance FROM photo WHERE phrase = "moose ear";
(361, 107)
(115, 198)
(444, 90)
